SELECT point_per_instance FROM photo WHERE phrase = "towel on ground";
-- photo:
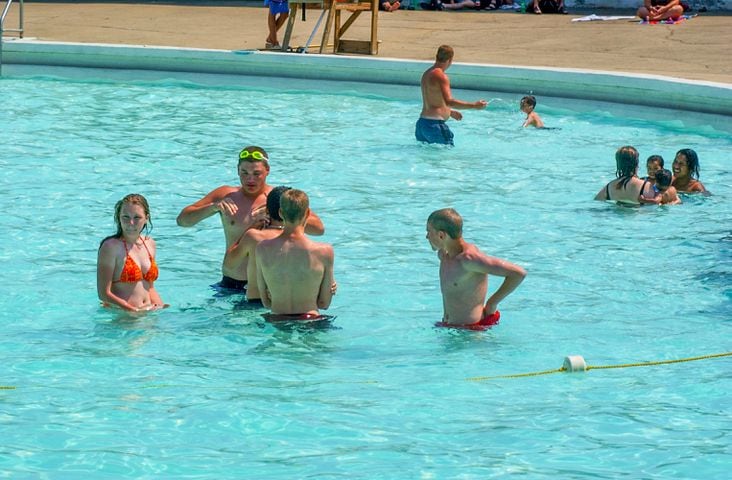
(595, 18)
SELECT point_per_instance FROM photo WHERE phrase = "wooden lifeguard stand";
(334, 9)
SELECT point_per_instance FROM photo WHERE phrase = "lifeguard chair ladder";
(334, 9)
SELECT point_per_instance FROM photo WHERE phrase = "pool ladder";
(18, 30)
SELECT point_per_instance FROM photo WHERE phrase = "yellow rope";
(600, 367)
(660, 362)
(517, 375)
(544, 372)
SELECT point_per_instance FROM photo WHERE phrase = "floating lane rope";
(6, 387)
(575, 363)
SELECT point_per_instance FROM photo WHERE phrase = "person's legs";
(280, 20)
(532, 6)
(272, 27)
(675, 12)
(279, 11)
(459, 5)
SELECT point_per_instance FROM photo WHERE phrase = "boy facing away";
(295, 274)
(464, 271)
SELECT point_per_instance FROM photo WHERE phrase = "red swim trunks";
(485, 323)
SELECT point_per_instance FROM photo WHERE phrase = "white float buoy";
(574, 363)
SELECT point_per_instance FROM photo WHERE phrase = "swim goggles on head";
(256, 155)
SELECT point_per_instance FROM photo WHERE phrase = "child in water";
(663, 187)
(653, 165)
(532, 118)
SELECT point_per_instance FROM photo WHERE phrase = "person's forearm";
(110, 298)
(314, 226)
(460, 105)
(510, 283)
(192, 215)
(155, 297)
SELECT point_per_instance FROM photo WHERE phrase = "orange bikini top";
(131, 272)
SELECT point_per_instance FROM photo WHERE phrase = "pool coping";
(615, 87)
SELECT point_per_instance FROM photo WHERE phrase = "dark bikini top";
(132, 273)
(607, 188)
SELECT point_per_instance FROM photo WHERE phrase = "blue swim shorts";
(433, 131)
(277, 6)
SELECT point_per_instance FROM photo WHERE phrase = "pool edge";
(616, 87)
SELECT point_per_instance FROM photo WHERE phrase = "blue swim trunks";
(277, 6)
(433, 131)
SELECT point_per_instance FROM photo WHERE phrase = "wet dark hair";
(273, 202)
(655, 158)
(692, 161)
(134, 199)
(529, 100)
(664, 177)
(626, 164)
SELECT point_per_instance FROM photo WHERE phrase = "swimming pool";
(206, 389)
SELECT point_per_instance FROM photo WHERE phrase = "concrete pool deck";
(695, 52)
(697, 49)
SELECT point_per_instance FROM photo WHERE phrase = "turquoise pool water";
(207, 390)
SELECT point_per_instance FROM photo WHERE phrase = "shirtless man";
(240, 208)
(244, 248)
(295, 274)
(464, 274)
(437, 101)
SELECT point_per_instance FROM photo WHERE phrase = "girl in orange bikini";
(126, 268)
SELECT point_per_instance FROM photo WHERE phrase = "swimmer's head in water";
(626, 161)
(664, 178)
(254, 154)
(447, 220)
(528, 103)
(273, 202)
(132, 199)
(294, 205)
(689, 158)
(654, 164)
(444, 53)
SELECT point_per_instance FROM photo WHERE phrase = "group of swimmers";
(660, 187)
(271, 260)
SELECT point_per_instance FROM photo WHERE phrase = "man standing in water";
(464, 274)
(240, 208)
(437, 101)
(295, 274)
